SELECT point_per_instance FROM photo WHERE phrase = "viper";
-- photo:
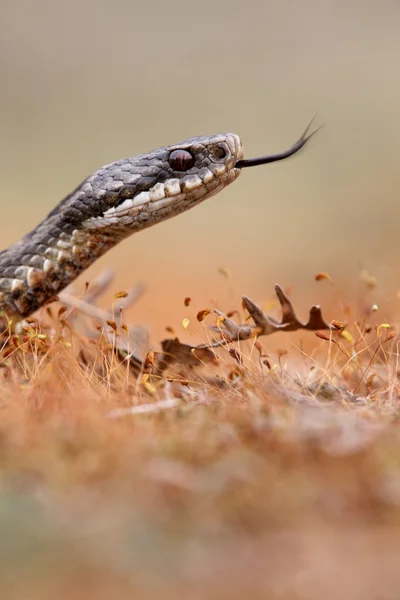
(117, 200)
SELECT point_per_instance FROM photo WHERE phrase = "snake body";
(117, 200)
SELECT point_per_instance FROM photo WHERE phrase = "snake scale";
(117, 200)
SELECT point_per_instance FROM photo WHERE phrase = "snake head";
(141, 191)
(117, 200)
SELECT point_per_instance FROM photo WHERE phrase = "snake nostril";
(181, 160)
(217, 152)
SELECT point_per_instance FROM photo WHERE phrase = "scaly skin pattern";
(116, 201)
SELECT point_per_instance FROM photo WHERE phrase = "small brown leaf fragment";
(236, 356)
(201, 315)
(124, 326)
(337, 324)
(187, 301)
(235, 374)
(112, 324)
(322, 336)
(32, 321)
(120, 295)
(61, 311)
(170, 329)
(231, 313)
(370, 380)
(323, 277)
(267, 363)
(66, 324)
(259, 348)
(150, 359)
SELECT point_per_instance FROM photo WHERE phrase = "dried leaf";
(150, 358)
(32, 321)
(187, 301)
(258, 347)
(120, 295)
(125, 328)
(323, 277)
(201, 315)
(322, 336)
(61, 310)
(113, 325)
(231, 313)
(370, 379)
(236, 355)
(235, 374)
(185, 324)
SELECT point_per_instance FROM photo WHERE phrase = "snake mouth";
(262, 160)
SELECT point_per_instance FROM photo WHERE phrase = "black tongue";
(263, 160)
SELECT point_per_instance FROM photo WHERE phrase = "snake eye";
(181, 160)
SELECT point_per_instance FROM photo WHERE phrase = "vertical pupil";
(181, 160)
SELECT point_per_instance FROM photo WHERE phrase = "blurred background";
(87, 82)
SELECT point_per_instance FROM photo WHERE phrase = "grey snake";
(117, 200)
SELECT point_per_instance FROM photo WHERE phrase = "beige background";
(89, 81)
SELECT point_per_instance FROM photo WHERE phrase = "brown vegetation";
(215, 469)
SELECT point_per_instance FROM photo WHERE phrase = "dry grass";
(274, 476)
